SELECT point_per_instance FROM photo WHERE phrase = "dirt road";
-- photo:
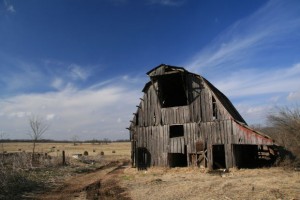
(101, 184)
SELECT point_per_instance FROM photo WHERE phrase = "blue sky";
(81, 64)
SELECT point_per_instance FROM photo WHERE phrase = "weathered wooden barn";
(183, 120)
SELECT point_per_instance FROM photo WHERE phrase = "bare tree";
(286, 125)
(106, 141)
(38, 128)
(75, 139)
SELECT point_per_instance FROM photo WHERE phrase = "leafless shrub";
(284, 127)
(17, 161)
(286, 121)
(14, 183)
(286, 162)
(16, 176)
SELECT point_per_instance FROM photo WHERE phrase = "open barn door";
(218, 157)
(178, 159)
(143, 158)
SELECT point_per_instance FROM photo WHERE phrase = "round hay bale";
(86, 153)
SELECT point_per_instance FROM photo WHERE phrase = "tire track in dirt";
(101, 184)
(110, 185)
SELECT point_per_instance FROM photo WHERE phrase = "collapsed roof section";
(172, 86)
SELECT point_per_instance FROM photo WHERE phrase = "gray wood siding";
(191, 136)
(156, 140)
(149, 110)
(150, 127)
(176, 145)
(175, 115)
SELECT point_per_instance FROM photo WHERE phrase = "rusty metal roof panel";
(260, 138)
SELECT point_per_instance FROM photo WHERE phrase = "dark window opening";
(214, 107)
(178, 159)
(219, 157)
(176, 131)
(172, 90)
(143, 158)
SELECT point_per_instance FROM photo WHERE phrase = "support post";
(63, 158)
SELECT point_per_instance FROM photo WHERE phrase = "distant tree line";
(63, 141)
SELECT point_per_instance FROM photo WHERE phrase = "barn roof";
(147, 85)
(226, 102)
(165, 69)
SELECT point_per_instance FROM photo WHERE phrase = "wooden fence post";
(63, 158)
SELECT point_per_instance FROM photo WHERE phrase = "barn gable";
(183, 120)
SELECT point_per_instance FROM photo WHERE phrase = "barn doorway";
(143, 158)
(178, 159)
(218, 157)
(246, 156)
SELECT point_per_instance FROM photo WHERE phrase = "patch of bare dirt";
(99, 184)
(110, 185)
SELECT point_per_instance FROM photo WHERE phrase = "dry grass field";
(111, 177)
(195, 183)
(55, 149)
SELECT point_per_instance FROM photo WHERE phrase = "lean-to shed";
(183, 120)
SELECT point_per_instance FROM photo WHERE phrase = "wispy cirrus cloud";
(254, 61)
(250, 82)
(256, 92)
(18, 75)
(78, 73)
(40, 76)
(9, 6)
(263, 30)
